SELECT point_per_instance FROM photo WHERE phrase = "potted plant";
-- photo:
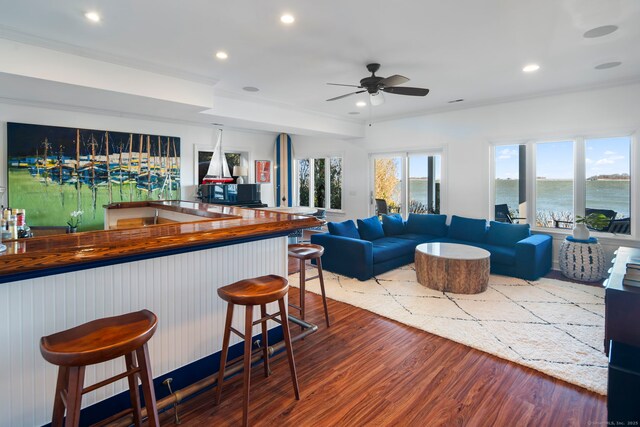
(583, 223)
(75, 219)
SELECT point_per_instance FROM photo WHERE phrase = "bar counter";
(217, 224)
(49, 284)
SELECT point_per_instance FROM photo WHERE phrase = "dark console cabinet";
(623, 388)
(622, 304)
(622, 342)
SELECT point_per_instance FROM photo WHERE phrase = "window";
(608, 182)
(407, 183)
(554, 184)
(320, 182)
(510, 183)
(571, 178)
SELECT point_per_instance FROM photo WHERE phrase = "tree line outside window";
(320, 182)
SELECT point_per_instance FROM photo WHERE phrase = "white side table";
(582, 259)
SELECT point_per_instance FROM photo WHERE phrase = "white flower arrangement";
(76, 219)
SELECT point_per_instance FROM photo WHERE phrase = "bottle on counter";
(12, 226)
(24, 230)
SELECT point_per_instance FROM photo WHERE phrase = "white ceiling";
(471, 49)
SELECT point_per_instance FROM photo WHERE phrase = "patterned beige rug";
(549, 325)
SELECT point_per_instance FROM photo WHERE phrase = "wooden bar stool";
(304, 252)
(257, 291)
(99, 341)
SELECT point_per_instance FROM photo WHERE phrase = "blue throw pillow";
(344, 229)
(469, 229)
(370, 228)
(392, 224)
(504, 234)
(435, 225)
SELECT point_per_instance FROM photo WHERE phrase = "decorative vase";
(581, 232)
(72, 229)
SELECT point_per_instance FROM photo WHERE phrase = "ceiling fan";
(375, 84)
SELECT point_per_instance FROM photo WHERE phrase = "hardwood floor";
(368, 370)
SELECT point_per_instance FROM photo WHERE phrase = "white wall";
(466, 136)
(260, 145)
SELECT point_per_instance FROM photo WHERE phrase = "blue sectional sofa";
(375, 247)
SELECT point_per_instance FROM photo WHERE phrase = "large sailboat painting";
(218, 171)
(53, 171)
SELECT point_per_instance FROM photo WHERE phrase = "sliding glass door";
(406, 183)
(388, 172)
(424, 183)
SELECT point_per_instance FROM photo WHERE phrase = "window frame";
(579, 180)
(327, 180)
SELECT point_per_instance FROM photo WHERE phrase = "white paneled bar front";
(180, 289)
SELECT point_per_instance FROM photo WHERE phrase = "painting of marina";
(54, 171)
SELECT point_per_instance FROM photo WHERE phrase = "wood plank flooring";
(367, 370)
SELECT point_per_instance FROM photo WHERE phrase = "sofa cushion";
(418, 238)
(468, 229)
(504, 234)
(391, 247)
(435, 225)
(344, 229)
(370, 228)
(392, 224)
(501, 254)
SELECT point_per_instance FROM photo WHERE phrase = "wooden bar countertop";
(219, 224)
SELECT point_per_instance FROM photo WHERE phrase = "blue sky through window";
(604, 156)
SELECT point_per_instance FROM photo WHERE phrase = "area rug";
(552, 326)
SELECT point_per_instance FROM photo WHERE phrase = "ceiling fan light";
(376, 98)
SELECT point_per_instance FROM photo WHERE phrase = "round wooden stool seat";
(255, 291)
(99, 340)
(305, 251)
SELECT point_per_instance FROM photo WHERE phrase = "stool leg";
(303, 281)
(134, 393)
(287, 341)
(324, 295)
(57, 420)
(142, 354)
(265, 341)
(225, 351)
(248, 323)
(74, 395)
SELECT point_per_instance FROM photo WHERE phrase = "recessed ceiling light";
(353, 113)
(361, 104)
(456, 100)
(222, 55)
(600, 31)
(607, 65)
(250, 89)
(531, 68)
(287, 19)
(92, 16)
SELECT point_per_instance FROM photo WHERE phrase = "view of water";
(557, 196)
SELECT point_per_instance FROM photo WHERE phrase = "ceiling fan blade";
(394, 80)
(339, 84)
(413, 91)
(344, 96)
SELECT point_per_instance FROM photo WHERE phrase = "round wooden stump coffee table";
(450, 267)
